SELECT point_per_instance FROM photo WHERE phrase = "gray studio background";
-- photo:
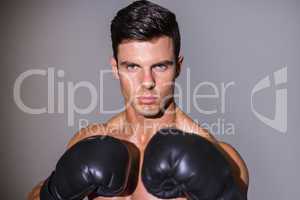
(222, 41)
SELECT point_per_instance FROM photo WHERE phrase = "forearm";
(34, 194)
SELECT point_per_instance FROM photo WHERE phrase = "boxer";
(146, 61)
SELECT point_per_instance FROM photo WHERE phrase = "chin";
(148, 112)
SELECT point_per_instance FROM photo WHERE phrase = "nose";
(148, 80)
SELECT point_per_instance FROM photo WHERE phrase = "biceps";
(238, 165)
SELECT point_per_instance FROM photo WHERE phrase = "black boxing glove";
(98, 165)
(178, 164)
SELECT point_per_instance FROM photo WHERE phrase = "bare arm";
(237, 163)
(34, 194)
(239, 167)
(95, 129)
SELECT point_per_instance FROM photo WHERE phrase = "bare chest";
(140, 192)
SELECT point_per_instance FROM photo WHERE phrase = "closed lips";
(147, 99)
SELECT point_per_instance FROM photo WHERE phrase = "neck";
(142, 128)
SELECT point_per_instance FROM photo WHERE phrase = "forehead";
(159, 48)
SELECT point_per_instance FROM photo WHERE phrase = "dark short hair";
(143, 20)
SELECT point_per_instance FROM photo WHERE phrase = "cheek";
(165, 83)
(129, 84)
(165, 87)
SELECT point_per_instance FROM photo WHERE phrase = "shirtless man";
(146, 61)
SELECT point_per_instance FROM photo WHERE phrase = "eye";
(161, 67)
(132, 67)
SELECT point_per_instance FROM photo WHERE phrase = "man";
(146, 60)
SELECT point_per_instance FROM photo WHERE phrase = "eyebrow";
(164, 62)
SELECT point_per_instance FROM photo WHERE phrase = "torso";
(184, 123)
(139, 193)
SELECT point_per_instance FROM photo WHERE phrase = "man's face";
(147, 71)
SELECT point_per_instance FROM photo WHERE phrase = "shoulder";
(238, 164)
(112, 127)
(90, 130)
(187, 124)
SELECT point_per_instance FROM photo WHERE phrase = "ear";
(114, 66)
(178, 65)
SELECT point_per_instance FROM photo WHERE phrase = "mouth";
(147, 100)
